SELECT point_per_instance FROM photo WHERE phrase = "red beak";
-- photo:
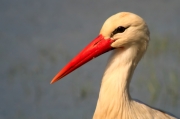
(97, 47)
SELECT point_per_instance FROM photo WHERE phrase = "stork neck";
(114, 93)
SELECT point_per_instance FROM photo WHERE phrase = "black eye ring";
(119, 29)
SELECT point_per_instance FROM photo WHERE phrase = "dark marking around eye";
(119, 29)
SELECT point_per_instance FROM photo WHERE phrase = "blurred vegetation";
(162, 85)
(173, 88)
(154, 87)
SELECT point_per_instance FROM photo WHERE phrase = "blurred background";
(38, 37)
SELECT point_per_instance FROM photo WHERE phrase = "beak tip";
(53, 80)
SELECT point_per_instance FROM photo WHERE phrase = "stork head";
(121, 30)
(125, 29)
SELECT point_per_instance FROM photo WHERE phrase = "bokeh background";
(38, 37)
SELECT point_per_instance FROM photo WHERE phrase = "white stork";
(127, 35)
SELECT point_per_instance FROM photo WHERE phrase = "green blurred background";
(38, 37)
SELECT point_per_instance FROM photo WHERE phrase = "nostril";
(96, 43)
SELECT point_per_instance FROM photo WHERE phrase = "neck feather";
(114, 95)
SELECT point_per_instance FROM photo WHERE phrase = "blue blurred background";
(38, 37)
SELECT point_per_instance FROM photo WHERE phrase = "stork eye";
(119, 29)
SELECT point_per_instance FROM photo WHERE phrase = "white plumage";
(130, 36)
